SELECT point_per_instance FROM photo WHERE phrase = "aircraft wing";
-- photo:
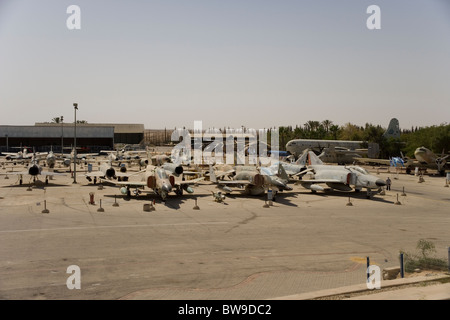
(311, 181)
(50, 173)
(23, 173)
(301, 173)
(131, 184)
(84, 155)
(234, 182)
(376, 161)
(189, 182)
(221, 174)
(93, 174)
(14, 173)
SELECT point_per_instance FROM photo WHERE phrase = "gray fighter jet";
(342, 178)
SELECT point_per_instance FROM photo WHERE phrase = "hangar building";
(90, 137)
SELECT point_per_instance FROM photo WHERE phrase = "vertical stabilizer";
(302, 160)
(212, 174)
(313, 159)
(393, 130)
(282, 173)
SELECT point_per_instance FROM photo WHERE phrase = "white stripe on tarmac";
(115, 227)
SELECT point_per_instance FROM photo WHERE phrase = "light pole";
(62, 136)
(75, 108)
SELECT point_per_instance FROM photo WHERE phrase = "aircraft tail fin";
(313, 159)
(281, 172)
(302, 160)
(212, 174)
(393, 130)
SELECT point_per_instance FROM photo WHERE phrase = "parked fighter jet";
(253, 180)
(124, 154)
(161, 181)
(34, 170)
(107, 172)
(24, 156)
(293, 169)
(342, 178)
(21, 155)
(67, 158)
(50, 160)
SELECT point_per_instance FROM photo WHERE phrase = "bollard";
(349, 203)
(45, 207)
(421, 179)
(368, 265)
(196, 207)
(100, 209)
(91, 198)
(402, 266)
(115, 204)
(270, 197)
(404, 194)
(448, 259)
(149, 207)
(398, 202)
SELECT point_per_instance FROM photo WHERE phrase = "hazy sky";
(257, 63)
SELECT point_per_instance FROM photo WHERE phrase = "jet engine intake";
(33, 170)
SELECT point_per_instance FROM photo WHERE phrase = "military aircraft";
(34, 170)
(426, 157)
(293, 168)
(254, 180)
(124, 154)
(67, 158)
(423, 158)
(50, 160)
(24, 156)
(341, 151)
(342, 178)
(161, 181)
(397, 162)
(21, 155)
(107, 172)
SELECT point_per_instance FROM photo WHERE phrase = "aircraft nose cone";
(281, 185)
(166, 188)
(380, 183)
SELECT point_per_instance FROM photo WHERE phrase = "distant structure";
(44, 138)
(393, 131)
(91, 137)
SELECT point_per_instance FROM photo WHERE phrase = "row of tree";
(61, 120)
(436, 138)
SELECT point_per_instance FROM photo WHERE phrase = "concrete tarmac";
(235, 250)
